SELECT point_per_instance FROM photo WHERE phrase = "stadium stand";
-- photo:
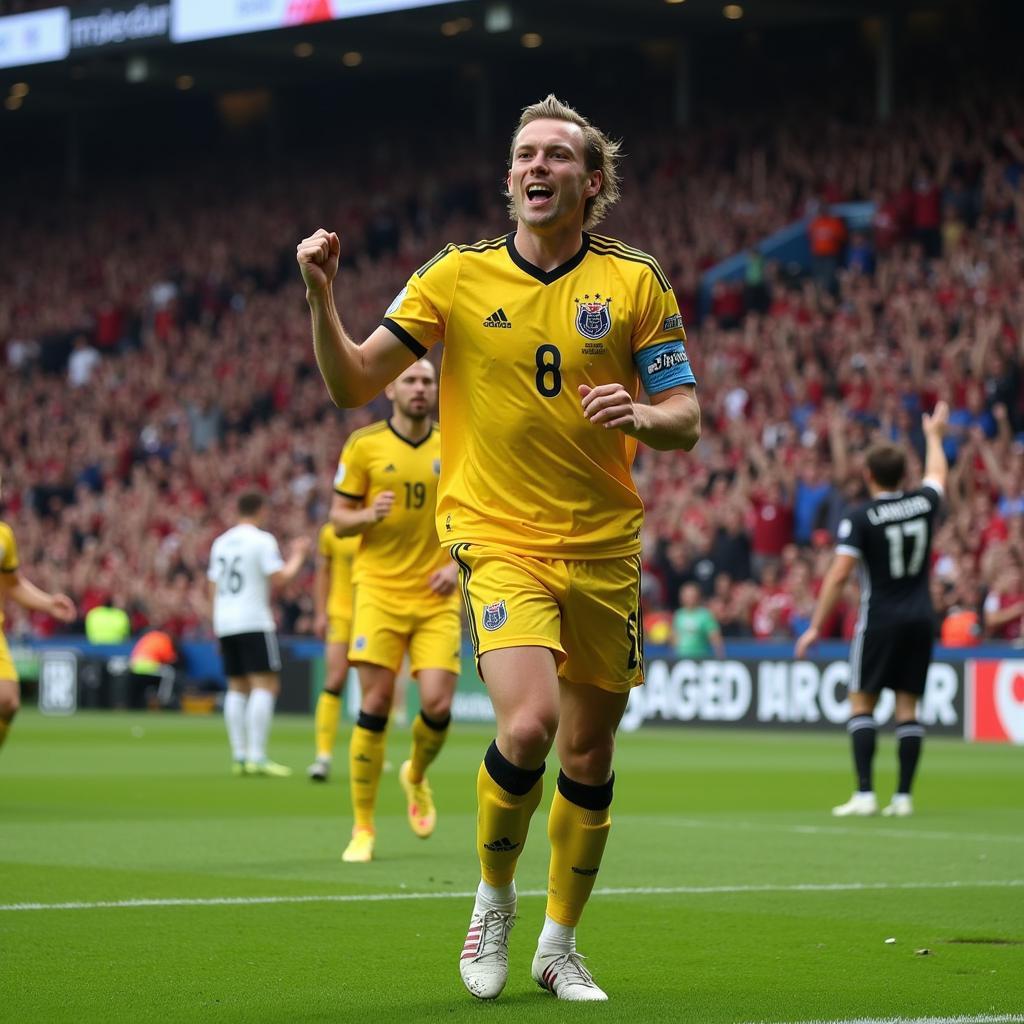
(163, 363)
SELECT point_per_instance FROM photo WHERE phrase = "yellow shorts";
(586, 611)
(386, 625)
(7, 669)
(339, 630)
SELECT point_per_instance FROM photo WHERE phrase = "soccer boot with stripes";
(484, 960)
(860, 805)
(565, 977)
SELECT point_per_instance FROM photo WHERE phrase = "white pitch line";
(387, 897)
(984, 1018)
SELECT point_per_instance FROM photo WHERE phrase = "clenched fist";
(317, 257)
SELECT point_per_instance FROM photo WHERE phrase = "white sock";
(258, 717)
(556, 938)
(234, 719)
(498, 897)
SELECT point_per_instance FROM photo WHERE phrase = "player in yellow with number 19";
(405, 596)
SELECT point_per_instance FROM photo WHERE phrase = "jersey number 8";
(549, 369)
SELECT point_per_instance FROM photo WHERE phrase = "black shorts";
(243, 653)
(892, 657)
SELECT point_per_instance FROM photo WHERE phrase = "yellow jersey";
(522, 468)
(339, 551)
(8, 557)
(399, 553)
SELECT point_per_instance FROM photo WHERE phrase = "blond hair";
(599, 154)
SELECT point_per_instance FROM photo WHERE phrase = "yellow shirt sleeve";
(352, 479)
(420, 311)
(8, 549)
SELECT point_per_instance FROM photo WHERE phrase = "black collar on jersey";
(546, 276)
(409, 441)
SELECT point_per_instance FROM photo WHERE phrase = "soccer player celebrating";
(890, 540)
(245, 563)
(549, 333)
(332, 598)
(406, 596)
(15, 586)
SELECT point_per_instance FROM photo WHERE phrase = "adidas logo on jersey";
(390, 468)
(498, 319)
(503, 845)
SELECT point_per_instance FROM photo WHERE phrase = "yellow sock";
(578, 835)
(366, 761)
(4, 728)
(428, 738)
(325, 723)
(503, 817)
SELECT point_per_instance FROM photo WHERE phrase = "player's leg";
(514, 622)
(869, 654)
(264, 688)
(434, 660)
(909, 741)
(523, 687)
(260, 660)
(602, 634)
(578, 827)
(235, 701)
(328, 705)
(908, 677)
(429, 732)
(366, 756)
(862, 730)
(10, 700)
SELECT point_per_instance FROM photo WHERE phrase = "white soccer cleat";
(860, 805)
(565, 977)
(484, 961)
(900, 806)
(320, 769)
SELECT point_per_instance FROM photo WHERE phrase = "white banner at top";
(34, 38)
(208, 19)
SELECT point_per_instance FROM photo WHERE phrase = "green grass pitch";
(764, 907)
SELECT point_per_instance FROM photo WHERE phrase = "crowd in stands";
(161, 363)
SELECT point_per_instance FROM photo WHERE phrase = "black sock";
(909, 738)
(862, 730)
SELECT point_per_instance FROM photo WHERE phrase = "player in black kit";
(889, 539)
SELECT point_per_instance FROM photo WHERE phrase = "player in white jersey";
(245, 564)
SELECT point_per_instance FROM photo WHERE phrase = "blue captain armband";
(664, 366)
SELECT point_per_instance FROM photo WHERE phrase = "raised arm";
(934, 426)
(354, 374)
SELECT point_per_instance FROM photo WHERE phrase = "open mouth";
(538, 195)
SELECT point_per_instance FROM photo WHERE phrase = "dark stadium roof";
(453, 34)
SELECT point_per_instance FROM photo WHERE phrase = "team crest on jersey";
(495, 615)
(593, 317)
